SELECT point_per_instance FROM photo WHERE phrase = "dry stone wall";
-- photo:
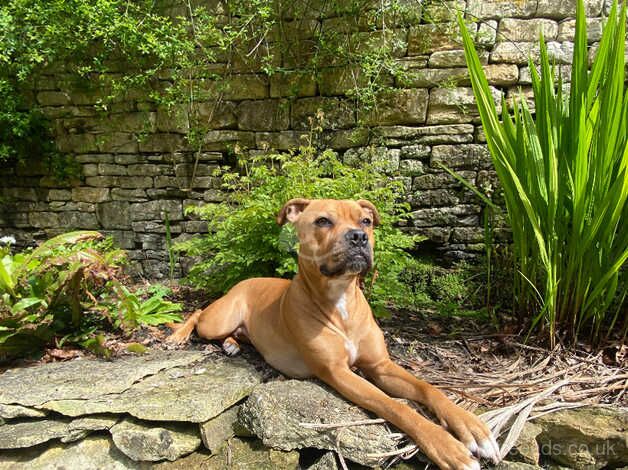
(136, 166)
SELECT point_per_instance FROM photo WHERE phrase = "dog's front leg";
(397, 381)
(433, 440)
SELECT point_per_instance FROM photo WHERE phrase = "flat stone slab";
(238, 454)
(142, 441)
(276, 411)
(93, 453)
(159, 386)
(18, 411)
(20, 434)
(85, 379)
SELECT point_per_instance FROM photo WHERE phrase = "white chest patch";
(341, 305)
(352, 351)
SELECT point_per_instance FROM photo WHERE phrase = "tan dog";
(320, 324)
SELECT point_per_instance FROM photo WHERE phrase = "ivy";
(183, 50)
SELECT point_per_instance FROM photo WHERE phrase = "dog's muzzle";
(356, 256)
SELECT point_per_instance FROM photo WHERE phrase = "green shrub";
(68, 290)
(245, 241)
(564, 174)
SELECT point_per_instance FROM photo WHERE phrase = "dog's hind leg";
(217, 321)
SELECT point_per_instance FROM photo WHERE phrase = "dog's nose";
(357, 238)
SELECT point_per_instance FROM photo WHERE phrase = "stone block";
(114, 215)
(381, 157)
(411, 167)
(434, 198)
(134, 182)
(448, 105)
(169, 193)
(519, 53)
(171, 182)
(566, 8)
(132, 195)
(118, 142)
(346, 138)
(148, 169)
(214, 115)
(453, 58)
(246, 87)
(263, 115)
(43, 219)
(284, 140)
(487, 34)
(415, 152)
(391, 41)
(440, 180)
(53, 98)
(441, 11)
(484, 9)
(429, 78)
(518, 30)
(292, 84)
(195, 169)
(161, 142)
(125, 239)
(428, 38)
(435, 234)
(467, 235)
(76, 143)
(90, 169)
(333, 112)
(462, 215)
(87, 194)
(227, 140)
(174, 119)
(337, 81)
(567, 30)
(19, 194)
(399, 107)
(110, 169)
(130, 122)
(77, 220)
(94, 158)
(467, 156)
(155, 210)
(59, 195)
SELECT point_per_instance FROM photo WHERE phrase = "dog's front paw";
(471, 431)
(446, 451)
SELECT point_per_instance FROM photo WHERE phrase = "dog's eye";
(366, 222)
(323, 222)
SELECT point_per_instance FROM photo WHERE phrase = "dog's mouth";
(354, 262)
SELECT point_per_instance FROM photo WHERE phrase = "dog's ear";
(368, 205)
(291, 210)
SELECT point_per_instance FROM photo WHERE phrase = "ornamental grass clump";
(563, 168)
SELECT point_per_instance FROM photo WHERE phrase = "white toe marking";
(341, 305)
(230, 348)
(475, 465)
(488, 450)
(473, 447)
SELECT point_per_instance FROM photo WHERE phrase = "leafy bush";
(245, 241)
(131, 310)
(564, 173)
(56, 292)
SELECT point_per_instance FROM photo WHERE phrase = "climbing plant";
(181, 50)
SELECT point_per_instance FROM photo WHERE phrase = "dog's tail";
(182, 331)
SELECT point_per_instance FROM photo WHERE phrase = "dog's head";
(334, 235)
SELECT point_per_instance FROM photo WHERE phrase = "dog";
(320, 325)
